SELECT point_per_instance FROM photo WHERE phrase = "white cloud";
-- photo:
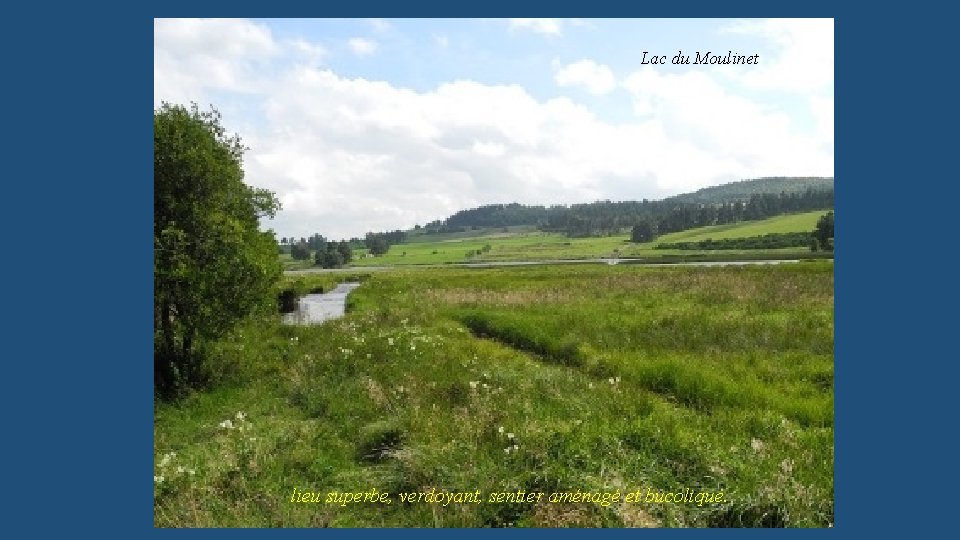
(217, 37)
(350, 155)
(803, 61)
(597, 78)
(310, 50)
(362, 46)
(442, 41)
(802, 64)
(193, 56)
(822, 109)
(549, 27)
(489, 149)
(760, 140)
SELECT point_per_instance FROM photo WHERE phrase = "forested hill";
(730, 203)
(498, 215)
(736, 201)
(741, 191)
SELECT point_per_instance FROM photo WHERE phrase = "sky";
(364, 125)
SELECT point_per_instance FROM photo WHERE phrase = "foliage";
(743, 190)
(719, 205)
(766, 241)
(526, 244)
(541, 378)
(331, 258)
(377, 244)
(336, 255)
(212, 264)
(300, 251)
(824, 232)
(645, 231)
(345, 251)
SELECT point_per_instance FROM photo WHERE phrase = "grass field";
(526, 245)
(593, 378)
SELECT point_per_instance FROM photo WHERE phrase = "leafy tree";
(824, 231)
(212, 264)
(376, 243)
(317, 242)
(300, 252)
(343, 247)
(645, 231)
(330, 258)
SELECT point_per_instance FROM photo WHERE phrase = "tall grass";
(542, 379)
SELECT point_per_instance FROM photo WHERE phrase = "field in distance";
(527, 244)
(548, 378)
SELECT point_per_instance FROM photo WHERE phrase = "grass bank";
(542, 379)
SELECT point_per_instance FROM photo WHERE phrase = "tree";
(212, 264)
(345, 252)
(644, 231)
(330, 258)
(824, 231)
(317, 242)
(376, 243)
(300, 251)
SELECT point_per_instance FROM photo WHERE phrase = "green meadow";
(551, 379)
(524, 244)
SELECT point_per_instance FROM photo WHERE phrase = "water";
(491, 264)
(317, 308)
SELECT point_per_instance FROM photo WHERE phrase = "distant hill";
(672, 214)
(742, 190)
(746, 200)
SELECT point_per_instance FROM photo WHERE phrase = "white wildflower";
(167, 458)
(500, 430)
(158, 479)
(241, 415)
(509, 435)
(226, 424)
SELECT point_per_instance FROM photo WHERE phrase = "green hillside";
(530, 246)
(741, 191)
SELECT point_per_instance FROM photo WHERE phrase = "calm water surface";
(317, 308)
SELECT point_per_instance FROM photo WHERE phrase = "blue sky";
(373, 124)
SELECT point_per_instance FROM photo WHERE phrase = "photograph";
(493, 273)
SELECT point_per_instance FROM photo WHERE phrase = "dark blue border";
(78, 399)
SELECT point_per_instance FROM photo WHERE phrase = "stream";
(318, 308)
